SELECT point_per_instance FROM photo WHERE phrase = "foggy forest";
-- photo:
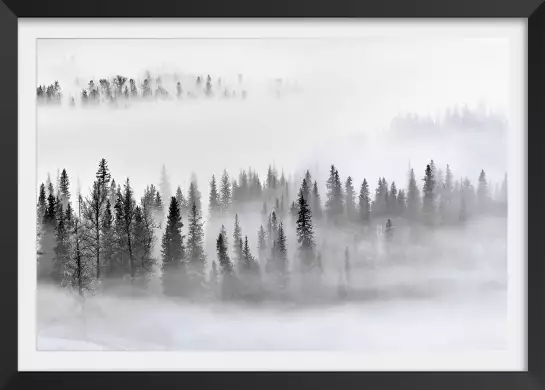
(253, 254)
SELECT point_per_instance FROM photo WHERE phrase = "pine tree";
(172, 250)
(332, 202)
(64, 188)
(196, 256)
(388, 231)
(225, 191)
(428, 201)
(134, 91)
(349, 196)
(179, 91)
(214, 203)
(158, 207)
(392, 199)
(227, 271)
(305, 234)
(237, 238)
(413, 198)
(364, 203)
(194, 196)
(281, 258)
(182, 203)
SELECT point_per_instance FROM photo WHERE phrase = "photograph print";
(305, 194)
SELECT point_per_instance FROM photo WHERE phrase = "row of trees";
(121, 88)
(108, 235)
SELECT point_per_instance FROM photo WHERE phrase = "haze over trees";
(259, 248)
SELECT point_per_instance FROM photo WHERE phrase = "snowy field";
(458, 310)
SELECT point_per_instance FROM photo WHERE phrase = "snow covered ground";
(468, 321)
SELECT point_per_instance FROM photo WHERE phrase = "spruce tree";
(428, 201)
(401, 202)
(225, 191)
(305, 234)
(129, 206)
(108, 236)
(172, 250)
(64, 188)
(227, 271)
(237, 239)
(182, 203)
(364, 203)
(413, 198)
(42, 202)
(194, 197)
(392, 199)
(214, 203)
(196, 256)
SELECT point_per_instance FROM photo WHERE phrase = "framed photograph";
(303, 201)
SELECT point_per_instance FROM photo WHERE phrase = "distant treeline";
(108, 235)
(121, 88)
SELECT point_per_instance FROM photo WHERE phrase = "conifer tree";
(196, 256)
(64, 188)
(388, 231)
(179, 91)
(158, 207)
(227, 270)
(214, 203)
(182, 203)
(225, 191)
(392, 199)
(364, 203)
(208, 88)
(334, 203)
(172, 250)
(194, 197)
(428, 201)
(305, 234)
(413, 198)
(237, 239)
(134, 91)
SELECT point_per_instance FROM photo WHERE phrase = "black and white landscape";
(323, 194)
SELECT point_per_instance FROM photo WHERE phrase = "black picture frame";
(533, 10)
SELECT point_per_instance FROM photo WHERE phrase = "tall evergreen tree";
(62, 247)
(129, 207)
(349, 196)
(393, 205)
(413, 198)
(428, 201)
(182, 203)
(196, 256)
(194, 196)
(227, 269)
(305, 234)
(225, 191)
(172, 250)
(334, 203)
(237, 239)
(214, 202)
(64, 188)
(364, 202)
(42, 202)
(261, 242)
